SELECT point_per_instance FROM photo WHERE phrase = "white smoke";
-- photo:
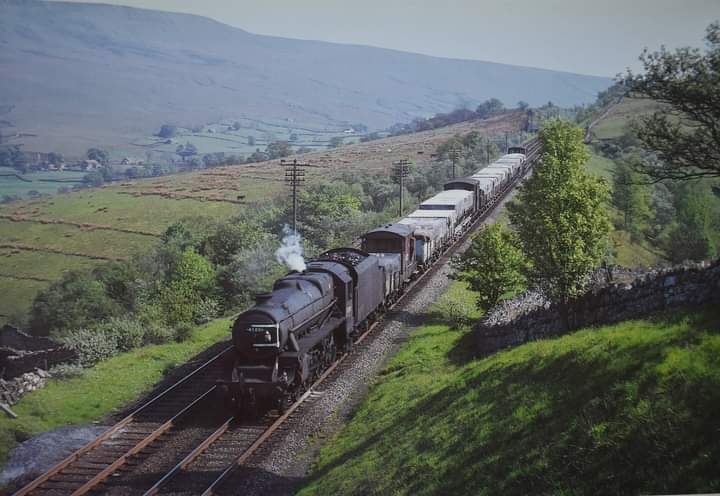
(290, 252)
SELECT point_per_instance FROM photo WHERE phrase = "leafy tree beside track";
(560, 214)
(493, 266)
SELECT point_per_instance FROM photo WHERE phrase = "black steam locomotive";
(293, 333)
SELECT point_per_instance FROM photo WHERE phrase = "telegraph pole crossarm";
(294, 177)
(454, 156)
(401, 170)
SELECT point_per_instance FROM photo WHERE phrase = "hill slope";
(45, 237)
(623, 409)
(79, 75)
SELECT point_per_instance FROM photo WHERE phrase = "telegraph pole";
(507, 143)
(401, 169)
(294, 177)
(454, 155)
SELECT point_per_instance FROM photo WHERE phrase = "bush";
(456, 313)
(206, 310)
(159, 334)
(183, 332)
(91, 346)
(66, 371)
(127, 332)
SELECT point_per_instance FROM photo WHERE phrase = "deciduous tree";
(685, 132)
(561, 214)
(493, 265)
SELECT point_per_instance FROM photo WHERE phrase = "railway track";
(220, 448)
(211, 466)
(126, 443)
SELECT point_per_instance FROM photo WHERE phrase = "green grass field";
(16, 265)
(103, 389)
(106, 206)
(17, 296)
(617, 120)
(39, 181)
(623, 409)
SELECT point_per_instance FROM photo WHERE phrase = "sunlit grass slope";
(629, 408)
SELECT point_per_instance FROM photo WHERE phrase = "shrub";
(183, 332)
(456, 313)
(66, 371)
(206, 310)
(91, 346)
(129, 333)
(159, 334)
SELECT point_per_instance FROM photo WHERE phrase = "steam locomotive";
(293, 333)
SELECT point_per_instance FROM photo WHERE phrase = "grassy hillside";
(40, 239)
(628, 252)
(614, 124)
(622, 409)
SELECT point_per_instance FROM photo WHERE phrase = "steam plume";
(290, 251)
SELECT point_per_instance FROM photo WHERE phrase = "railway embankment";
(624, 408)
(616, 295)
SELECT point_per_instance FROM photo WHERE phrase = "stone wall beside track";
(625, 295)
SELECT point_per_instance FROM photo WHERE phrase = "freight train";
(293, 333)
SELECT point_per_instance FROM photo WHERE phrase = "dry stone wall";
(21, 353)
(615, 295)
(12, 390)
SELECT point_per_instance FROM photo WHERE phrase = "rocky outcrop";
(615, 295)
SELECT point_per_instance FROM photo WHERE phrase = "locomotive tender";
(293, 333)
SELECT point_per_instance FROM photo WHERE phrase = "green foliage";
(696, 236)
(278, 149)
(328, 212)
(229, 239)
(10, 156)
(187, 150)
(623, 409)
(631, 197)
(493, 265)
(127, 332)
(167, 131)
(560, 214)
(157, 333)
(91, 346)
(206, 310)
(183, 332)
(102, 156)
(190, 232)
(335, 142)
(76, 301)
(490, 107)
(685, 133)
(189, 278)
(94, 178)
(252, 271)
(67, 371)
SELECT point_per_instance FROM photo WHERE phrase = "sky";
(590, 37)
